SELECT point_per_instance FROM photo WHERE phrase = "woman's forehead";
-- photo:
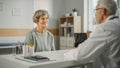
(44, 16)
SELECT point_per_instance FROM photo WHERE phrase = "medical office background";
(16, 16)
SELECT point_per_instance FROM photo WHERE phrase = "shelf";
(70, 25)
(63, 26)
(67, 27)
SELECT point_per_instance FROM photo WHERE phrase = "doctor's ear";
(105, 11)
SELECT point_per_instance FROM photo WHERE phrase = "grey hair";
(109, 5)
(38, 14)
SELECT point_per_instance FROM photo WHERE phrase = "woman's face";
(43, 21)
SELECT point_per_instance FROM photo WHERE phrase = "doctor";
(104, 41)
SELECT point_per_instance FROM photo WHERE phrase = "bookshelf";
(67, 27)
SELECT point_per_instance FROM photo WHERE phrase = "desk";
(9, 61)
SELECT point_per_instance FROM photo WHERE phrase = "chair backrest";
(79, 38)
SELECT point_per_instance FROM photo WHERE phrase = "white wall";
(20, 17)
(58, 11)
(70, 4)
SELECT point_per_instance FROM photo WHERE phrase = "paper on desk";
(71, 54)
(32, 60)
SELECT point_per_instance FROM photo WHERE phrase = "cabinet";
(67, 27)
(7, 49)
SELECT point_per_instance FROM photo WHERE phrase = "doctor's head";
(40, 17)
(104, 9)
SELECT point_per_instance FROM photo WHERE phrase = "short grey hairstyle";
(38, 14)
(109, 5)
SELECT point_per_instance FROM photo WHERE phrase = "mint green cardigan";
(42, 42)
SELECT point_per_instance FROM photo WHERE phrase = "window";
(118, 11)
(92, 6)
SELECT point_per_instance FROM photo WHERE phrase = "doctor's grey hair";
(109, 5)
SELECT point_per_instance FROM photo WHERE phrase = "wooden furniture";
(67, 27)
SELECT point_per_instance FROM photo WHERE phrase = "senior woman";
(39, 36)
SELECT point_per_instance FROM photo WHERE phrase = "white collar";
(109, 17)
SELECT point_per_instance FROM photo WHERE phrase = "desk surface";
(9, 61)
